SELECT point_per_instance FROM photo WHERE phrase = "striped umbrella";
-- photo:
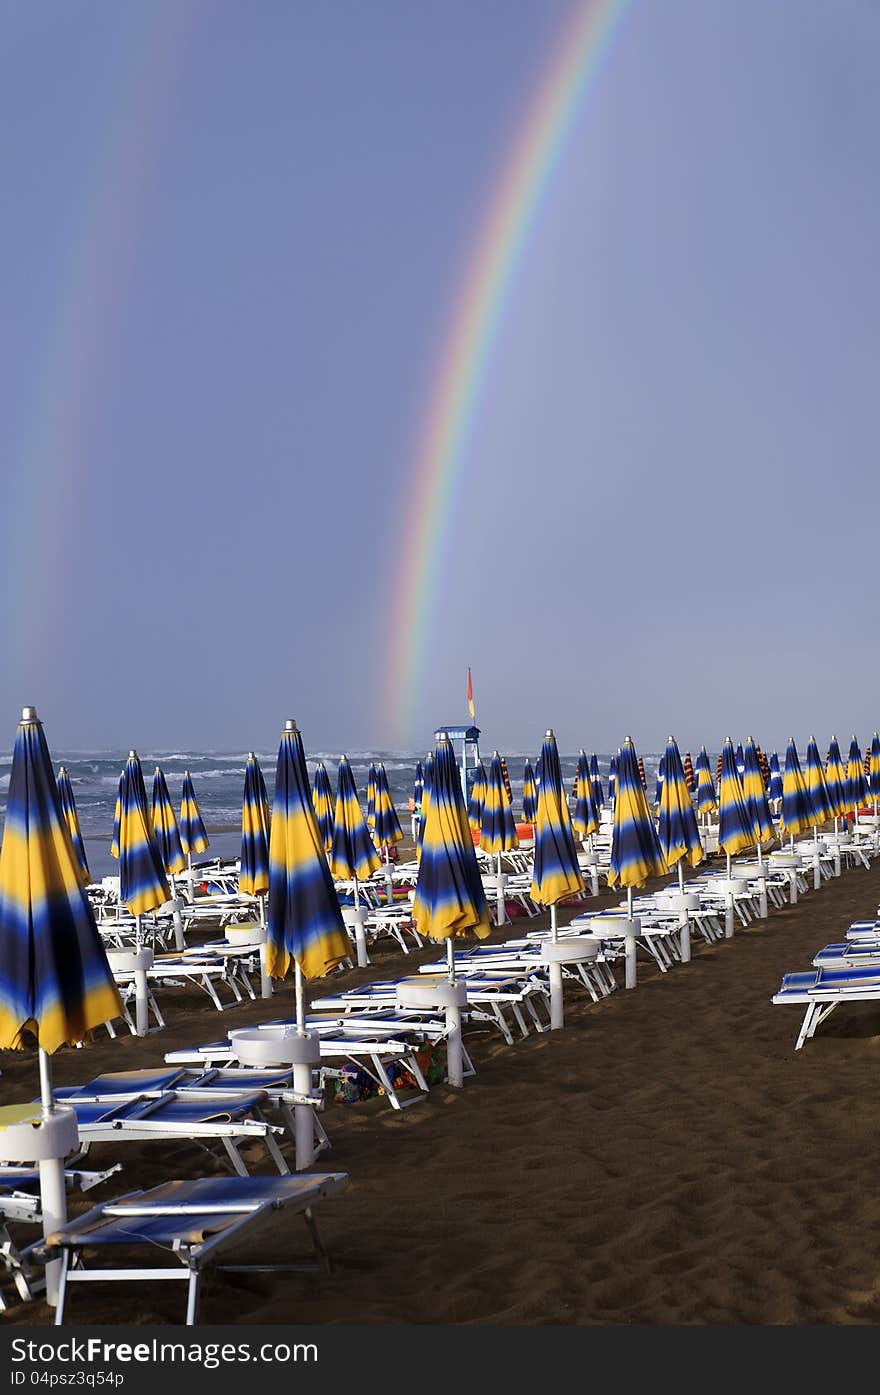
(305, 921)
(866, 763)
(192, 830)
(817, 791)
(835, 781)
(322, 799)
(449, 898)
(55, 980)
(774, 788)
(642, 775)
(165, 830)
(658, 783)
(427, 778)
(755, 796)
(764, 767)
(874, 770)
(418, 785)
(114, 841)
(556, 874)
(796, 813)
(740, 762)
(690, 778)
(371, 796)
(386, 826)
(856, 784)
(612, 779)
(707, 801)
(636, 854)
(478, 795)
(735, 826)
(506, 778)
(718, 769)
(497, 827)
(585, 820)
(598, 796)
(677, 829)
(68, 809)
(529, 794)
(253, 877)
(143, 885)
(352, 854)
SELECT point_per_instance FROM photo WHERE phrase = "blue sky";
(233, 239)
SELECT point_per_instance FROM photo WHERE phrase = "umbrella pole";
(450, 959)
(300, 1000)
(389, 879)
(141, 992)
(304, 1058)
(500, 913)
(179, 941)
(681, 874)
(53, 1193)
(360, 938)
(266, 989)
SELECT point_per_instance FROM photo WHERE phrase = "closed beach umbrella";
(856, 784)
(386, 826)
(755, 796)
(677, 828)
(740, 762)
(835, 780)
(478, 795)
(497, 827)
(353, 856)
(817, 791)
(506, 778)
(529, 794)
(642, 775)
(117, 811)
(55, 980)
(612, 779)
(427, 777)
(874, 770)
(253, 877)
(796, 813)
(167, 836)
(165, 829)
(418, 785)
(322, 799)
(636, 854)
(598, 796)
(371, 797)
(192, 830)
(143, 885)
(707, 802)
(690, 778)
(764, 767)
(774, 789)
(68, 809)
(735, 829)
(556, 874)
(585, 820)
(658, 783)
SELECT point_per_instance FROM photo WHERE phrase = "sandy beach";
(667, 1158)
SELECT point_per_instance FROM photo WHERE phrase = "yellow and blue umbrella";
(427, 778)
(418, 786)
(856, 784)
(497, 827)
(371, 796)
(165, 829)
(387, 829)
(814, 780)
(352, 854)
(478, 795)
(636, 853)
(658, 783)
(677, 828)
(253, 876)
(305, 921)
(449, 897)
(322, 799)
(595, 781)
(755, 796)
(735, 827)
(142, 882)
(835, 780)
(774, 789)
(529, 794)
(585, 820)
(192, 830)
(796, 813)
(612, 779)
(874, 770)
(55, 980)
(556, 874)
(117, 813)
(707, 801)
(71, 818)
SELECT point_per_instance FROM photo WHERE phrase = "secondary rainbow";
(566, 79)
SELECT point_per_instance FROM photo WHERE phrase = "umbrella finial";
(494, 754)
(548, 734)
(290, 725)
(132, 755)
(252, 755)
(29, 714)
(443, 736)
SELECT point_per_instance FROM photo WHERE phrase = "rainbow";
(568, 76)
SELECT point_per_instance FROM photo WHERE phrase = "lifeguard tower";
(469, 739)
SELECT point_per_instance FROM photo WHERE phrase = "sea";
(218, 778)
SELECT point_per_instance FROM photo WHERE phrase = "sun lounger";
(20, 1203)
(821, 990)
(198, 1223)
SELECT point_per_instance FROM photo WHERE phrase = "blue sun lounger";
(20, 1202)
(821, 990)
(198, 1223)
